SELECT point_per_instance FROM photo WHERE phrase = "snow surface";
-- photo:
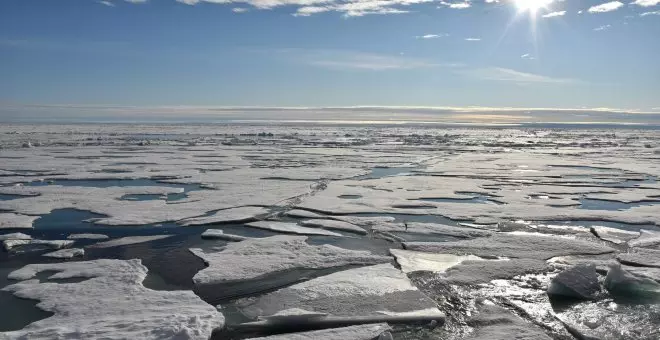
(411, 261)
(253, 258)
(647, 238)
(111, 304)
(641, 257)
(333, 225)
(614, 235)
(53, 244)
(226, 216)
(359, 332)
(433, 228)
(218, 234)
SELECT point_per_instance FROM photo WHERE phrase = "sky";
(84, 58)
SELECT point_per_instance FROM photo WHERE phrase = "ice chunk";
(359, 332)
(111, 304)
(580, 282)
(253, 258)
(128, 240)
(641, 257)
(16, 221)
(378, 290)
(620, 281)
(15, 236)
(292, 228)
(66, 253)
(304, 214)
(53, 244)
(333, 224)
(236, 215)
(510, 245)
(220, 235)
(88, 237)
(475, 272)
(647, 238)
(292, 315)
(411, 261)
(617, 236)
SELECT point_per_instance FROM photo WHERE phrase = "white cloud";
(602, 28)
(646, 3)
(456, 5)
(606, 7)
(432, 36)
(239, 10)
(505, 74)
(554, 14)
(107, 3)
(472, 39)
(650, 13)
(527, 56)
(580, 12)
(492, 1)
(351, 60)
(349, 8)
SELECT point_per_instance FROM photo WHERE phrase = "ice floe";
(254, 258)
(66, 253)
(87, 237)
(236, 215)
(16, 221)
(411, 261)
(622, 282)
(217, 234)
(15, 236)
(123, 241)
(374, 290)
(647, 238)
(617, 236)
(358, 332)
(496, 323)
(111, 304)
(291, 228)
(474, 272)
(580, 282)
(433, 228)
(10, 244)
(640, 257)
(333, 225)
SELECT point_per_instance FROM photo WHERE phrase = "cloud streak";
(554, 14)
(646, 3)
(509, 75)
(606, 7)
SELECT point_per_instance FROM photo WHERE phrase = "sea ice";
(474, 272)
(433, 228)
(15, 236)
(111, 304)
(253, 258)
(620, 281)
(496, 323)
(641, 257)
(218, 234)
(128, 240)
(614, 235)
(509, 245)
(66, 253)
(16, 221)
(88, 237)
(53, 244)
(647, 238)
(236, 215)
(287, 227)
(411, 261)
(374, 290)
(333, 225)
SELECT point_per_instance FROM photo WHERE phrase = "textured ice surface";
(373, 290)
(220, 235)
(15, 236)
(292, 228)
(496, 323)
(226, 216)
(579, 282)
(614, 235)
(475, 272)
(433, 228)
(647, 238)
(111, 304)
(66, 253)
(128, 240)
(16, 221)
(88, 237)
(253, 258)
(621, 281)
(411, 261)
(509, 245)
(53, 244)
(641, 257)
(359, 332)
(333, 225)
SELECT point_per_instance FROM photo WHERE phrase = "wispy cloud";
(472, 39)
(107, 3)
(646, 3)
(602, 28)
(432, 36)
(239, 10)
(554, 14)
(606, 7)
(527, 56)
(509, 75)
(351, 60)
(649, 13)
(456, 5)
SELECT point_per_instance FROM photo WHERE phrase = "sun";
(531, 6)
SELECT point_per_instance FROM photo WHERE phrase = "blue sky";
(320, 53)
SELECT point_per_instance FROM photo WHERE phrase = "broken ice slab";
(359, 332)
(291, 228)
(217, 234)
(578, 282)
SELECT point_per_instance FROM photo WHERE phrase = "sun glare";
(531, 5)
